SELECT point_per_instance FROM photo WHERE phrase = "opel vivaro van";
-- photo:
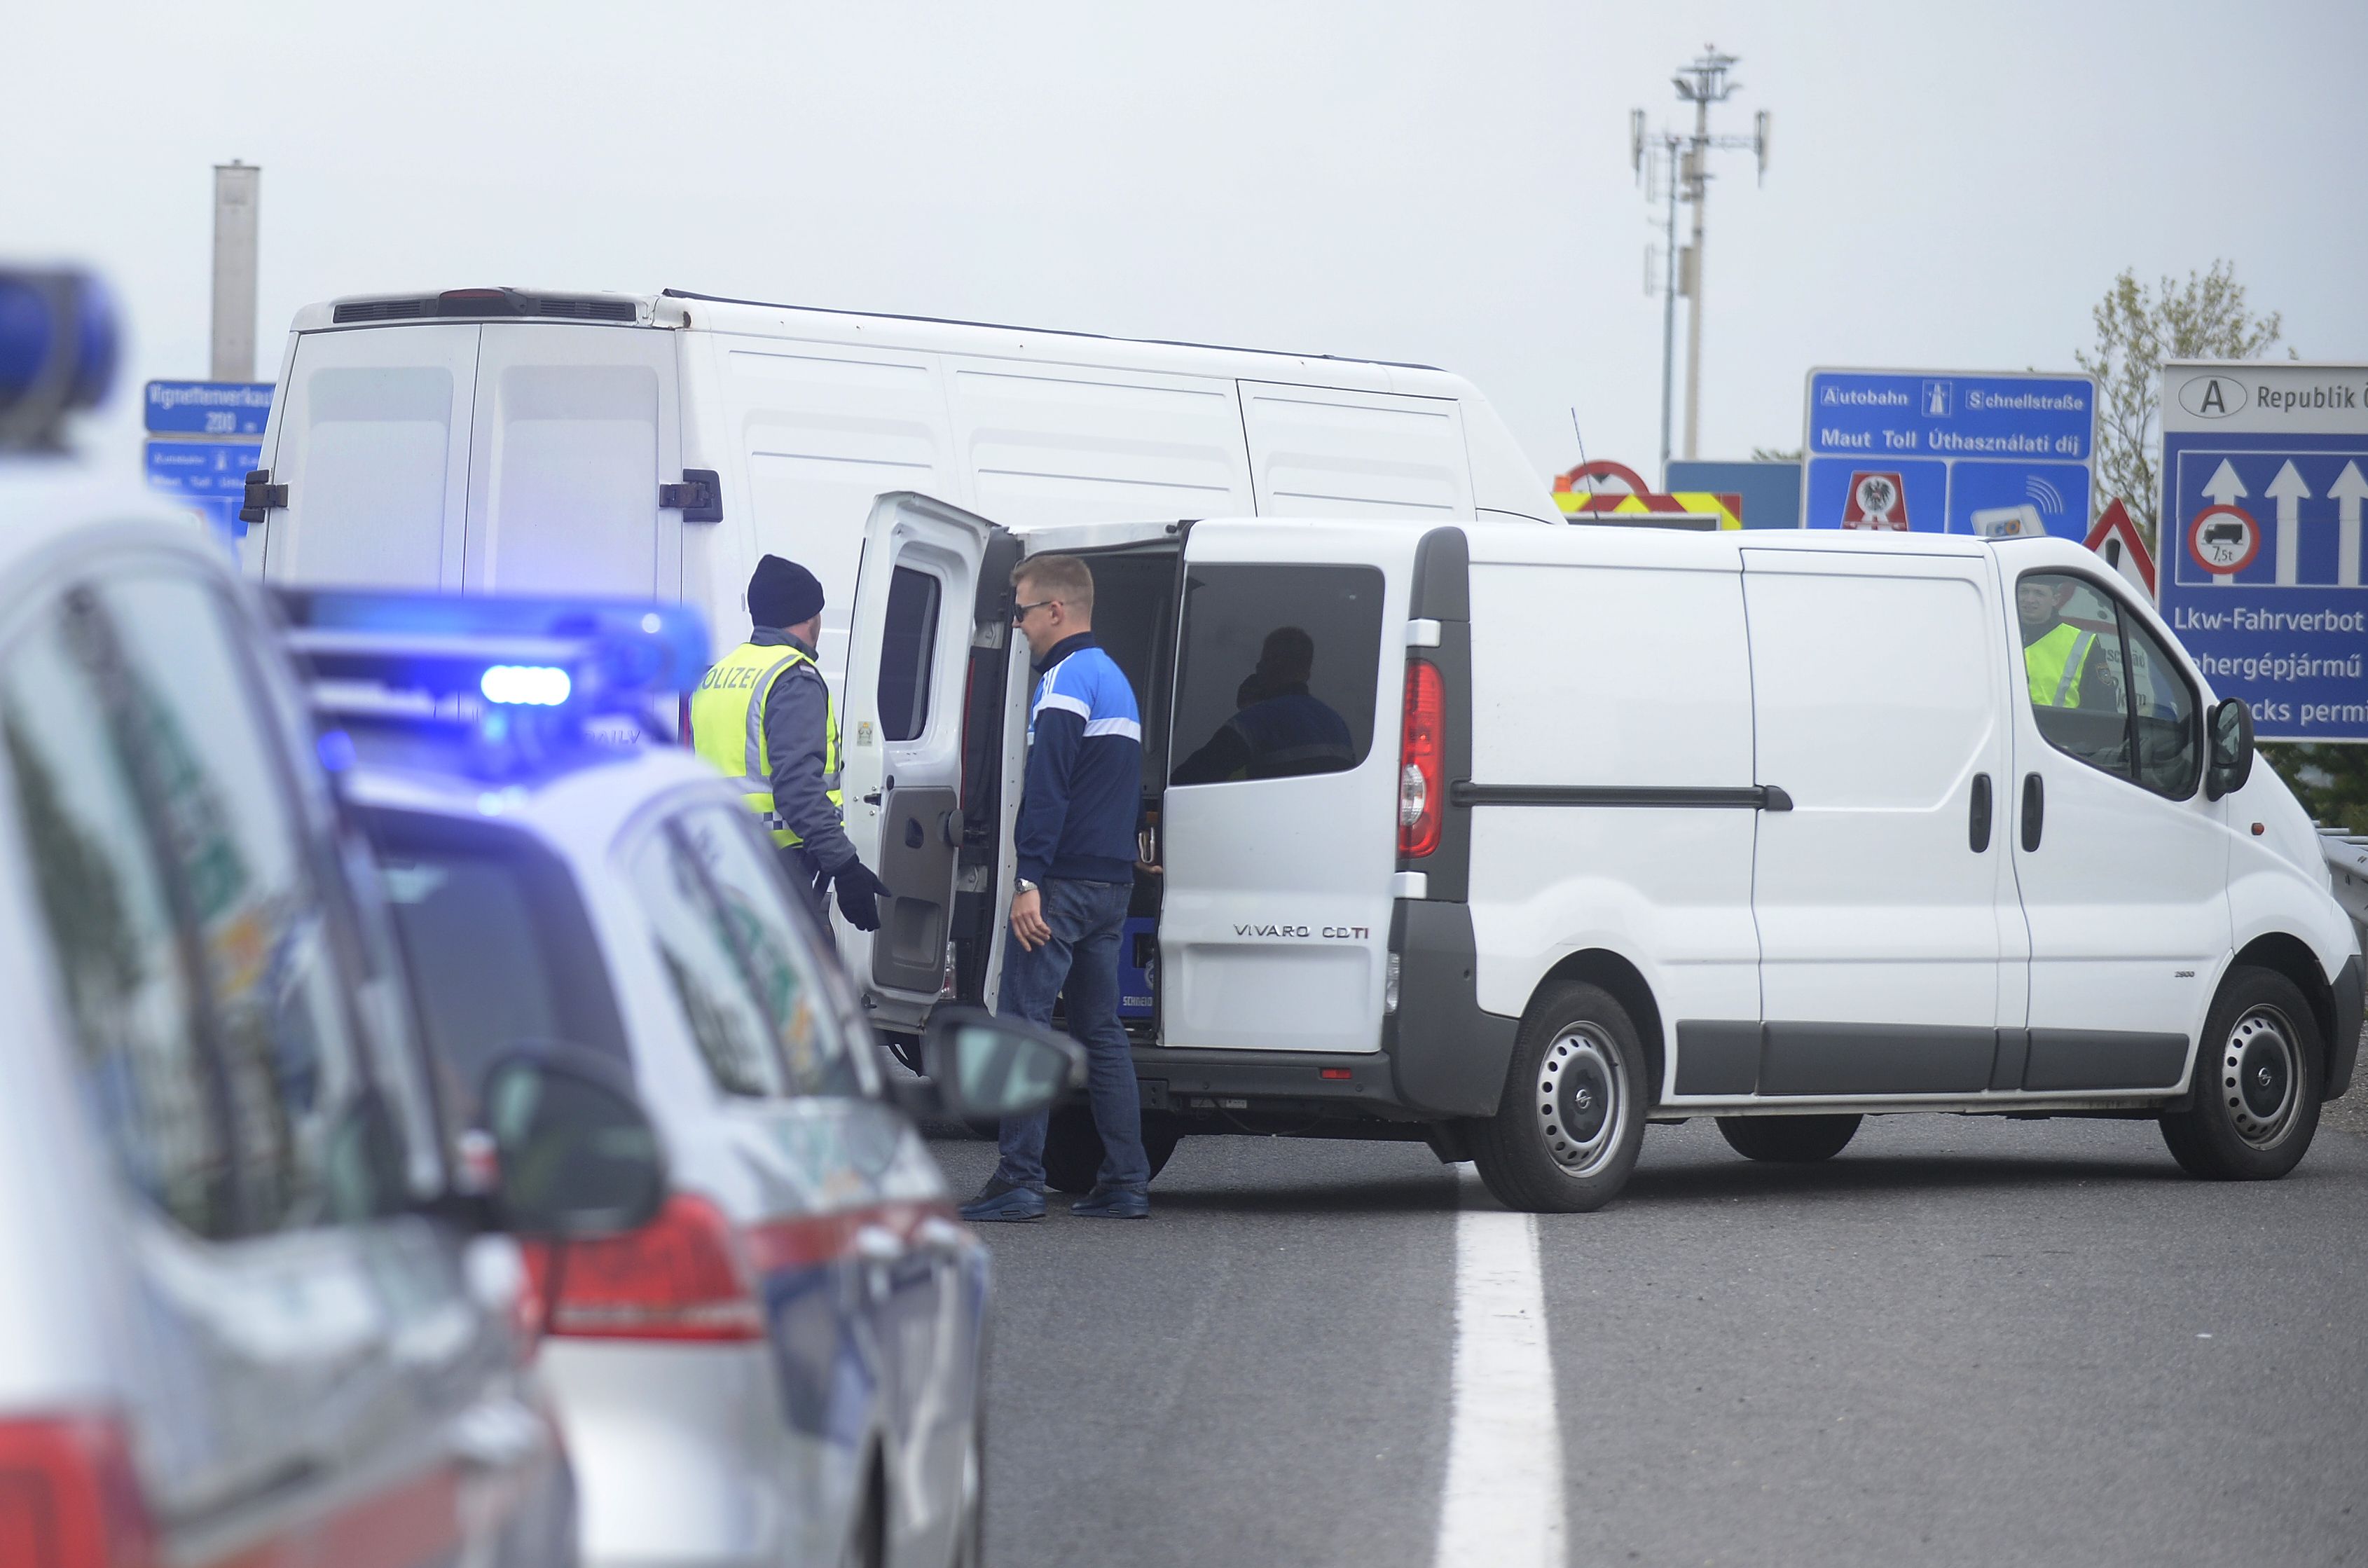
(653, 447)
(1629, 825)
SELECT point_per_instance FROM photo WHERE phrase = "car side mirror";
(984, 1068)
(2231, 734)
(579, 1155)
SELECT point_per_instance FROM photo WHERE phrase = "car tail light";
(682, 1276)
(1422, 760)
(69, 1498)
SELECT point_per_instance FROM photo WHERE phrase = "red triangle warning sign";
(2116, 537)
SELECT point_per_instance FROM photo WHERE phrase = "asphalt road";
(1961, 1341)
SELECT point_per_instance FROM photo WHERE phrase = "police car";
(250, 1310)
(784, 1366)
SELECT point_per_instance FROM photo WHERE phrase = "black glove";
(858, 894)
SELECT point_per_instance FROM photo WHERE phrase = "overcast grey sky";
(1950, 187)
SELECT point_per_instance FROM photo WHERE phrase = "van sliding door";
(574, 429)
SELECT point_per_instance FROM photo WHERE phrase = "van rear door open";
(917, 601)
(1279, 824)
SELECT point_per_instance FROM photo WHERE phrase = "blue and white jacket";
(1084, 794)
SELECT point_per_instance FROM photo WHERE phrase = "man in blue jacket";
(1076, 851)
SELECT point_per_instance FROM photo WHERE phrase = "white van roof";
(678, 307)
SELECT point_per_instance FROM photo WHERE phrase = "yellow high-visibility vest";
(2052, 666)
(727, 727)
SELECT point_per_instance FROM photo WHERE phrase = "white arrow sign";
(2347, 492)
(2224, 488)
(2289, 492)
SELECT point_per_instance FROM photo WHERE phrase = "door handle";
(2034, 809)
(1977, 829)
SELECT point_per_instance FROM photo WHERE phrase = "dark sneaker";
(1113, 1203)
(1002, 1200)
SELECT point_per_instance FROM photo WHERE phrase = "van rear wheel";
(1566, 1132)
(2257, 1086)
(1073, 1149)
(1788, 1139)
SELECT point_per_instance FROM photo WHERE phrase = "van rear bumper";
(1441, 1056)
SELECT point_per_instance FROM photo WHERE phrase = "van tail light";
(682, 721)
(1422, 760)
(681, 1277)
(69, 1497)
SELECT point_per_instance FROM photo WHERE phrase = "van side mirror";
(984, 1068)
(2231, 733)
(579, 1157)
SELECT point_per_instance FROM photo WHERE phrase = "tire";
(1788, 1139)
(2258, 1081)
(1566, 1132)
(1073, 1149)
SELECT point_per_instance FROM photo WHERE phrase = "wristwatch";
(1021, 884)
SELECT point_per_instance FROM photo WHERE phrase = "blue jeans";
(1082, 959)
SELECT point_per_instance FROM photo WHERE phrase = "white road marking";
(1502, 1507)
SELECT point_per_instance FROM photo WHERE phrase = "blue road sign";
(202, 470)
(1945, 450)
(1771, 491)
(2260, 563)
(208, 408)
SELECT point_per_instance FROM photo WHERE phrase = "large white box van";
(1634, 826)
(498, 439)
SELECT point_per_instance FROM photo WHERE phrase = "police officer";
(764, 716)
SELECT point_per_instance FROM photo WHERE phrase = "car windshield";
(500, 949)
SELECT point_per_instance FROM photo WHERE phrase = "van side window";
(1279, 671)
(2102, 688)
(905, 650)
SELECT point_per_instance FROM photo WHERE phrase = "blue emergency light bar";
(580, 657)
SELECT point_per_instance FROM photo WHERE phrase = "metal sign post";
(2264, 468)
(238, 190)
(1954, 451)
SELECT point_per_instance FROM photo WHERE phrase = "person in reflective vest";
(2057, 657)
(763, 715)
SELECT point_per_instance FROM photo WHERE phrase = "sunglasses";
(1020, 613)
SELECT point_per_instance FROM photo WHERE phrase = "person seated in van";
(2062, 661)
(1280, 729)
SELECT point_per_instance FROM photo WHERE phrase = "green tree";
(2137, 328)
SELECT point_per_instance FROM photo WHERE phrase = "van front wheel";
(1566, 1132)
(2255, 1095)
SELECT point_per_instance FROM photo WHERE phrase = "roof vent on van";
(477, 303)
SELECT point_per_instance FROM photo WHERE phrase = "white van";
(503, 440)
(1638, 825)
